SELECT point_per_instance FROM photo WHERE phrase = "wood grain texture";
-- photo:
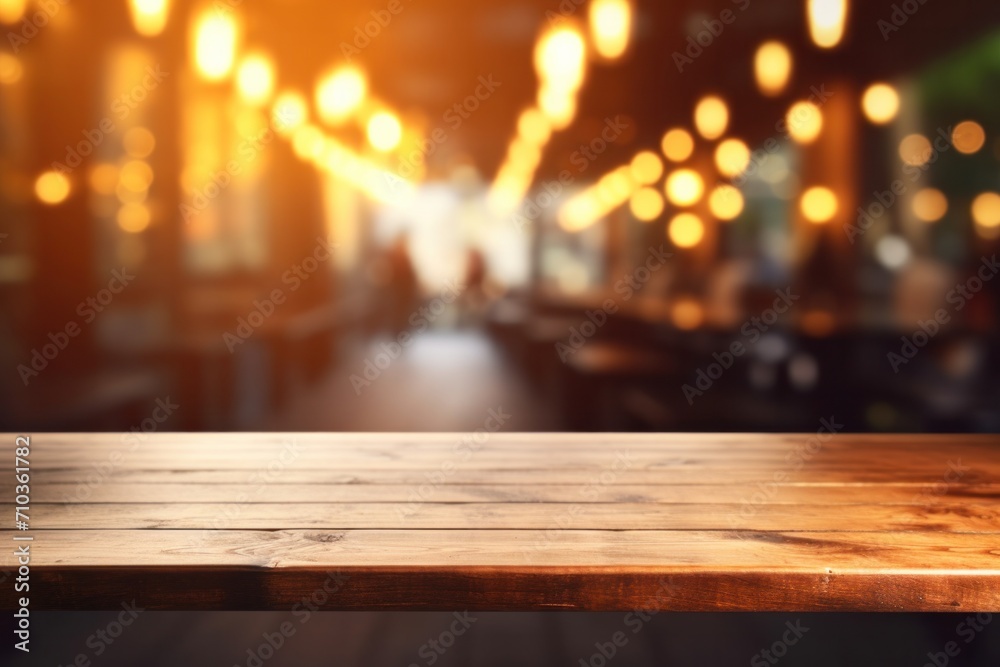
(513, 521)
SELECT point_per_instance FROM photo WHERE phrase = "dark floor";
(442, 381)
(560, 639)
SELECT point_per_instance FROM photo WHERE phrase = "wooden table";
(513, 522)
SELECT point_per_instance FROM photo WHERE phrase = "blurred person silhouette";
(400, 290)
(474, 293)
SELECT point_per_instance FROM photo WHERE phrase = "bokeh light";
(52, 188)
(711, 117)
(929, 204)
(826, 22)
(677, 145)
(818, 204)
(684, 187)
(610, 26)
(384, 131)
(732, 157)
(805, 122)
(968, 137)
(340, 93)
(646, 204)
(725, 202)
(647, 167)
(686, 230)
(255, 79)
(772, 67)
(880, 103)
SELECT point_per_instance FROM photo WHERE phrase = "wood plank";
(971, 518)
(507, 570)
(527, 521)
(520, 477)
(158, 489)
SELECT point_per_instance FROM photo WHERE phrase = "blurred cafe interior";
(712, 215)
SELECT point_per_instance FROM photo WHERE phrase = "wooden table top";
(512, 521)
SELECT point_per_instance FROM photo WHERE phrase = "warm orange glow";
(340, 93)
(725, 202)
(10, 69)
(255, 79)
(534, 126)
(687, 314)
(929, 204)
(580, 212)
(880, 103)
(711, 117)
(647, 167)
(560, 56)
(149, 16)
(818, 323)
(11, 11)
(986, 210)
(772, 67)
(968, 137)
(308, 142)
(915, 149)
(818, 205)
(558, 106)
(290, 112)
(646, 204)
(136, 176)
(732, 157)
(139, 142)
(684, 187)
(805, 122)
(133, 218)
(610, 26)
(104, 178)
(215, 39)
(614, 188)
(826, 22)
(677, 145)
(384, 131)
(52, 188)
(686, 230)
